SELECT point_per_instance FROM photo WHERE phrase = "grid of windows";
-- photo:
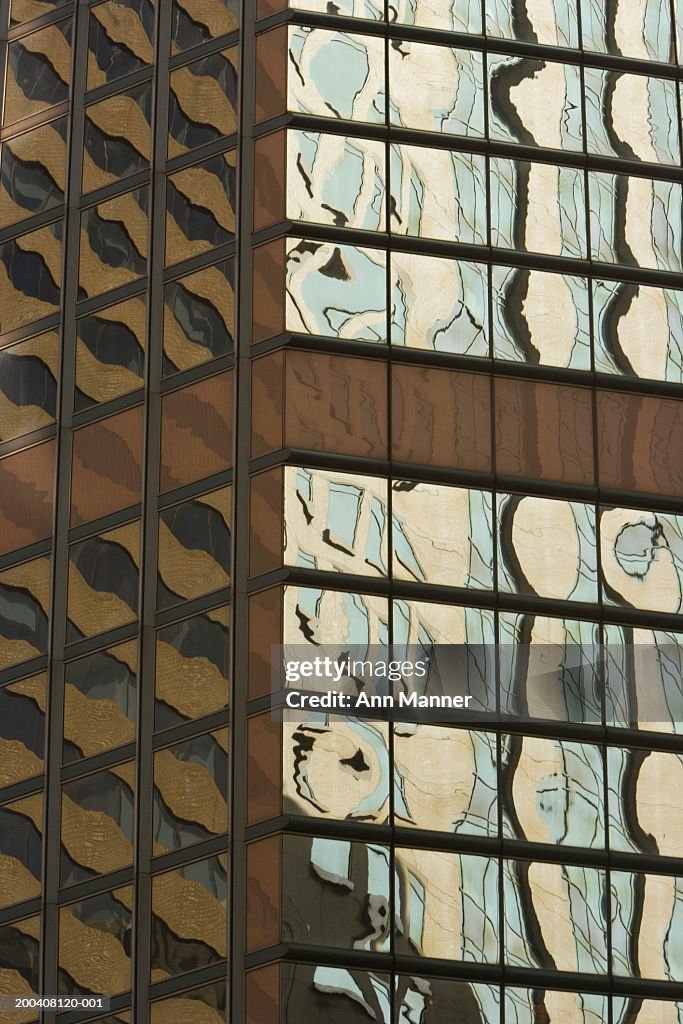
(117, 322)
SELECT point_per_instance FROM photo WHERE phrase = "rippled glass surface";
(200, 205)
(28, 385)
(103, 581)
(541, 318)
(30, 276)
(636, 221)
(189, 917)
(371, 9)
(537, 207)
(535, 102)
(455, 15)
(24, 609)
(336, 74)
(192, 668)
(113, 243)
(644, 814)
(120, 39)
(638, 330)
(38, 71)
(547, 547)
(194, 548)
(646, 925)
(336, 522)
(568, 903)
(190, 791)
(642, 559)
(117, 139)
(318, 616)
(632, 28)
(439, 304)
(196, 21)
(438, 194)
(202, 102)
(335, 179)
(33, 172)
(97, 823)
(436, 88)
(199, 317)
(442, 535)
(95, 937)
(632, 116)
(100, 694)
(554, 23)
(21, 842)
(110, 352)
(22, 729)
(644, 685)
(336, 291)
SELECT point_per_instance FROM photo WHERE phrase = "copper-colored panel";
(336, 404)
(441, 418)
(266, 526)
(265, 629)
(196, 431)
(263, 995)
(106, 474)
(264, 768)
(640, 443)
(26, 485)
(271, 74)
(263, 892)
(266, 7)
(544, 431)
(267, 396)
(269, 179)
(268, 299)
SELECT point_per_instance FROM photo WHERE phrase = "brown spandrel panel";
(266, 524)
(266, 611)
(263, 995)
(544, 431)
(441, 418)
(640, 441)
(268, 300)
(264, 870)
(267, 397)
(27, 487)
(266, 7)
(106, 473)
(264, 768)
(271, 74)
(270, 179)
(196, 431)
(336, 404)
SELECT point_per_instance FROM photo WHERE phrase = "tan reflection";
(94, 958)
(95, 611)
(550, 896)
(98, 724)
(16, 420)
(17, 762)
(335, 51)
(52, 48)
(441, 932)
(188, 789)
(120, 118)
(17, 882)
(33, 577)
(191, 572)
(658, 804)
(546, 542)
(639, 558)
(193, 686)
(199, 185)
(629, 20)
(190, 911)
(437, 769)
(541, 101)
(213, 286)
(202, 100)
(92, 838)
(13, 983)
(337, 769)
(104, 381)
(94, 274)
(46, 147)
(644, 332)
(122, 24)
(212, 13)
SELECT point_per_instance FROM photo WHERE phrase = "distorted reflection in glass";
(336, 522)
(550, 668)
(547, 547)
(335, 179)
(644, 810)
(200, 205)
(641, 30)
(537, 207)
(21, 843)
(638, 330)
(631, 116)
(202, 102)
(644, 678)
(636, 221)
(103, 581)
(110, 352)
(438, 194)
(552, 24)
(335, 74)
(20, 959)
(113, 243)
(439, 304)
(194, 547)
(647, 925)
(33, 172)
(120, 39)
(38, 71)
(567, 904)
(642, 559)
(336, 768)
(336, 291)
(95, 942)
(535, 102)
(541, 318)
(192, 25)
(100, 695)
(336, 618)
(24, 610)
(436, 88)
(442, 535)
(189, 918)
(22, 729)
(199, 317)
(97, 823)
(190, 791)
(192, 668)
(30, 276)
(455, 15)
(29, 373)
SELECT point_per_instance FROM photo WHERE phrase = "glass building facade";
(352, 322)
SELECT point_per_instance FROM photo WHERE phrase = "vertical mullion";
(49, 974)
(144, 789)
(239, 645)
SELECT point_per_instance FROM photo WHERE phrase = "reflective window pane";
(21, 842)
(97, 823)
(535, 102)
(189, 917)
(455, 15)
(22, 729)
(646, 925)
(192, 668)
(117, 138)
(196, 431)
(20, 958)
(95, 941)
(29, 373)
(553, 24)
(196, 21)
(199, 317)
(335, 74)
(642, 559)
(202, 102)
(110, 353)
(38, 71)
(30, 277)
(194, 548)
(120, 39)
(24, 608)
(33, 172)
(537, 208)
(632, 116)
(106, 469)
(636, 221)
(200, 204)
(641, 30)
(103, 582)
(27, 486)
(100, 694)
(638, 330)
(113, 243)
(438, 194)
(190, 792)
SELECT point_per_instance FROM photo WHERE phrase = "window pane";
(335, 74)
(113, 243)
(97, 824)
(203, 102)
(120, 40)
(38, 71)
(194, 548)
(110, 353)
(33, 172)
(117, 138)
(103, 582)
(190, 792)
(199, 317)
(100, 694)
(535, 102)
(192, 668)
